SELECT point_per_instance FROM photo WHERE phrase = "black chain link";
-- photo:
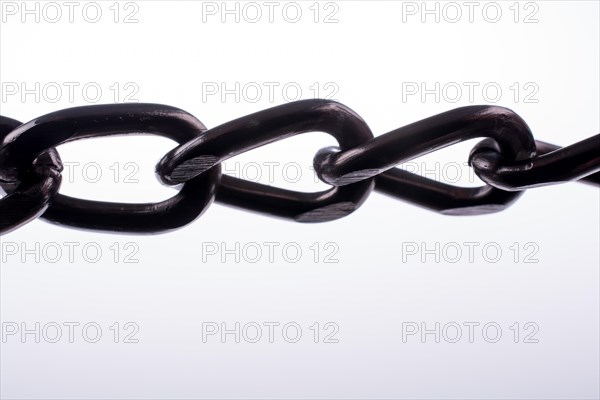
(509, 160)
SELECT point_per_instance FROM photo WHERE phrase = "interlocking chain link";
(508, 160)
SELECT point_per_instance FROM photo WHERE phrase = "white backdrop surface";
(385, 303)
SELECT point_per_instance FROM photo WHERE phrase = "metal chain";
(509, 160)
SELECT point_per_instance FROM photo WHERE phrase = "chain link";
(509, 160)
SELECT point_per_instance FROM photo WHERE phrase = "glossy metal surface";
(243, 134)
(30, 166)
(579, 161)
(441, 197)
(380, 155)
(23, 144)
(38, 183)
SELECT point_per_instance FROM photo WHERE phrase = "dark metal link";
(419, 138)
(29, 140)
(579, 161)
(267, 126)
(507, 161)
(378, 156)
(39, 183)
(441, 197)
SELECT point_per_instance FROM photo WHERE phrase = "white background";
(369, 54)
